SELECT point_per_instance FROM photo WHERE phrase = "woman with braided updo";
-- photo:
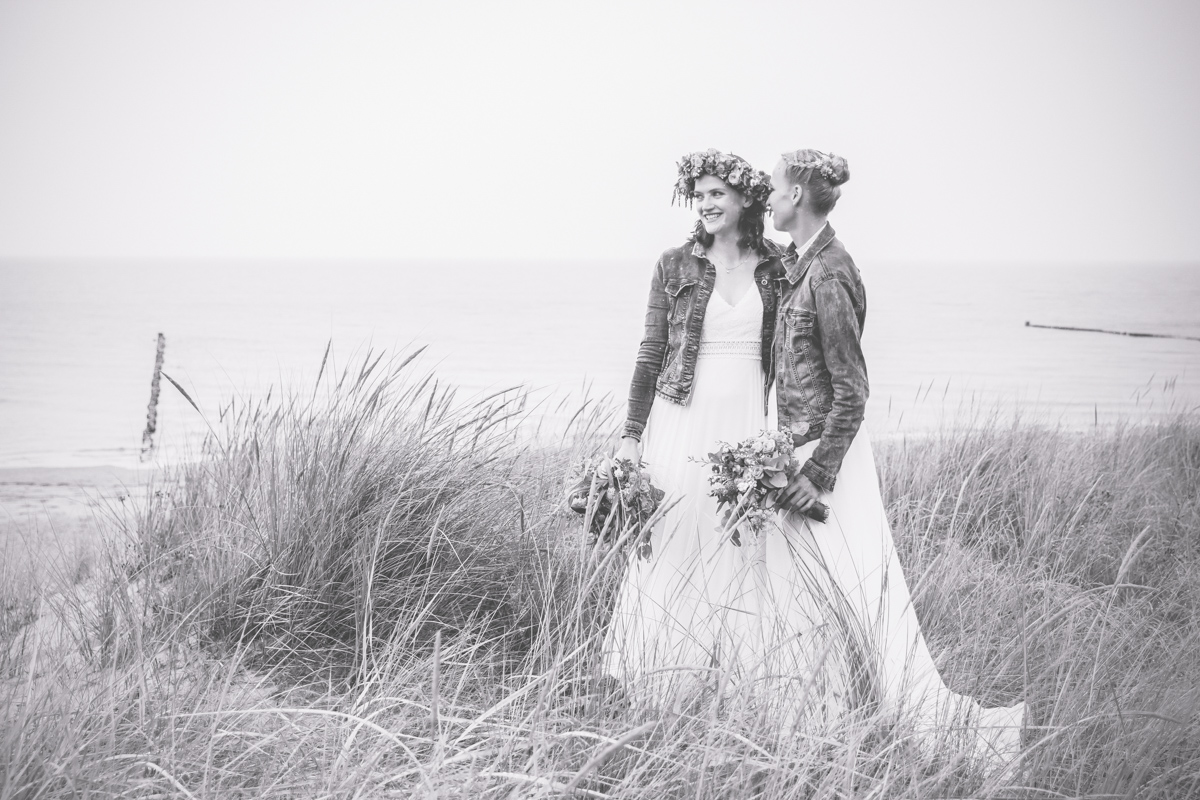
(839, 582)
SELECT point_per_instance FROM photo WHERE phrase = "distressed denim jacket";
(822, 377)
(679, 291)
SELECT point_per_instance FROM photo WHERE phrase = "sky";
(983, 132)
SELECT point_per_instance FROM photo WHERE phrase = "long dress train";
(843, 581)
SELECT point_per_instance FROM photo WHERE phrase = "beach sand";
(51, 519)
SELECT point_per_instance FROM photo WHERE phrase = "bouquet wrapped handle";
(818, 511)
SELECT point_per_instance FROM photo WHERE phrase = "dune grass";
(371, 589)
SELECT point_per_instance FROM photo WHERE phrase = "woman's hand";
(799, 494)
(630, 449)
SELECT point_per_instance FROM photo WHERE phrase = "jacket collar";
(796, 264)
(771, 253)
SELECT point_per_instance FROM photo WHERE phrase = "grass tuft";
(371, 588)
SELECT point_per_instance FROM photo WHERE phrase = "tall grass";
(371, 588)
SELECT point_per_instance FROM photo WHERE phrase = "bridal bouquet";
(747, 479)
(615, 498)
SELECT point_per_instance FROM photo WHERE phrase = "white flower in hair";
(822, 163)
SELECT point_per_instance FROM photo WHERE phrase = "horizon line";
(543, 259)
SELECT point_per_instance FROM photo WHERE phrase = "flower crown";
(734, 170)
(823, 164)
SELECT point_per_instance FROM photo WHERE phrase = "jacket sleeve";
(841, 335)
(650, 357)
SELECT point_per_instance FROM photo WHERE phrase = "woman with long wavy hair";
(702, 375)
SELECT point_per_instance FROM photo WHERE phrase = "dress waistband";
(750, 350)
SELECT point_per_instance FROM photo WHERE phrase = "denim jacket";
(679, 291)
(822, 377)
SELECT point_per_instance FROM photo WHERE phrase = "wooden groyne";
(1029, 324)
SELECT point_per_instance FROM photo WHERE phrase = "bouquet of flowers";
(614, 497)
(747, 479)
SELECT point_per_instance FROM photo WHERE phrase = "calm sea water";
(77, 340)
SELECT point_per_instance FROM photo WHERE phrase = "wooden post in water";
(152, 411)
(1029, 324)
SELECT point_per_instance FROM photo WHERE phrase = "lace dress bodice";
(733, 331)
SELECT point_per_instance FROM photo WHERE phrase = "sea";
(945, 345)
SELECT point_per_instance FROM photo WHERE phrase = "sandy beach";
(51, 518)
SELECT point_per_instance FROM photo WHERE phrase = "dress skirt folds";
(686, 614)
(692, 607)
(842, 582)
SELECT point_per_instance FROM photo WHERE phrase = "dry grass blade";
(606, 752)
(183, 392)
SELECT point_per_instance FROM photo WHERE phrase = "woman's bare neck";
(726, 247)
(805, 227)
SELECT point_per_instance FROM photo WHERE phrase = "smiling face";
(719, 205)
(784, 200)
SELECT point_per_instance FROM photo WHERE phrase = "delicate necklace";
(730, 268)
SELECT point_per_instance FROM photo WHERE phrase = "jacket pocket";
(679, 294)
(678, 300)
(800, 326)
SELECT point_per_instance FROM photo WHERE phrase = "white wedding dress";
(807, 621)
(842, 581)
(691, 611)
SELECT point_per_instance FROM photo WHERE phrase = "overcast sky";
(975, 131)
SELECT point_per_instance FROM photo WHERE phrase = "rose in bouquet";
(617, 501)
(748, 478)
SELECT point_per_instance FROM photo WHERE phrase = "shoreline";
(52, 518)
